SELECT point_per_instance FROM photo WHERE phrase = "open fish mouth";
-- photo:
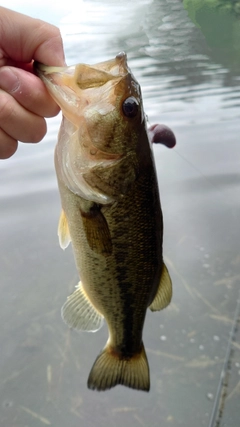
(84, 92)
(90, 97)
(73, 86)
(102, 114)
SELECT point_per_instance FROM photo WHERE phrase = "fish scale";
(111, 214)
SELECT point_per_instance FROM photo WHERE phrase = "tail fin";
(109, 370)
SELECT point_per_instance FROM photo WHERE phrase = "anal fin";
(63, 231)
(78, 312)
(164, 293)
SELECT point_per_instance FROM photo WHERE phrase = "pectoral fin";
(97, 231)
(63, 231)
(164, 292)
(78, 312)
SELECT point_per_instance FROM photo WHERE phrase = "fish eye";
(130, 107)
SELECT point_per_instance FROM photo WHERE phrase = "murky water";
(186, 57)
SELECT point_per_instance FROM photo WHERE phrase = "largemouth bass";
(110, 212)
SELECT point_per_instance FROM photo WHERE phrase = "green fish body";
(110, 212)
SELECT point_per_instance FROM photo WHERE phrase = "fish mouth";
(74, 87)
(55, 79)
(115, 66)
(83, 91)
(90, 141)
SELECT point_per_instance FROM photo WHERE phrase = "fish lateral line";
(111, 209)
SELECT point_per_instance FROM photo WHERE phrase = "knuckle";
(56, 32)
(52, 32)
(6, 106)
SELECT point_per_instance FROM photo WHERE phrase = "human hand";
(24, 100)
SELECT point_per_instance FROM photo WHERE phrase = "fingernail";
(9, 81)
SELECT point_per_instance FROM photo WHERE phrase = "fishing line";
(194, 167)
(190, 164)
(222, 389)
(221, 394)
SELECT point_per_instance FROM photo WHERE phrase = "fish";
(111, 213)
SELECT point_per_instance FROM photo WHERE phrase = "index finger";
(23, 39)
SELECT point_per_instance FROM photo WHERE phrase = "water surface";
(189, 74)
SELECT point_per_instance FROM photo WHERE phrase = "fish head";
(104, 99)
(102, 111)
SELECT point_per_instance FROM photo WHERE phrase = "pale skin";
(24, 100)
